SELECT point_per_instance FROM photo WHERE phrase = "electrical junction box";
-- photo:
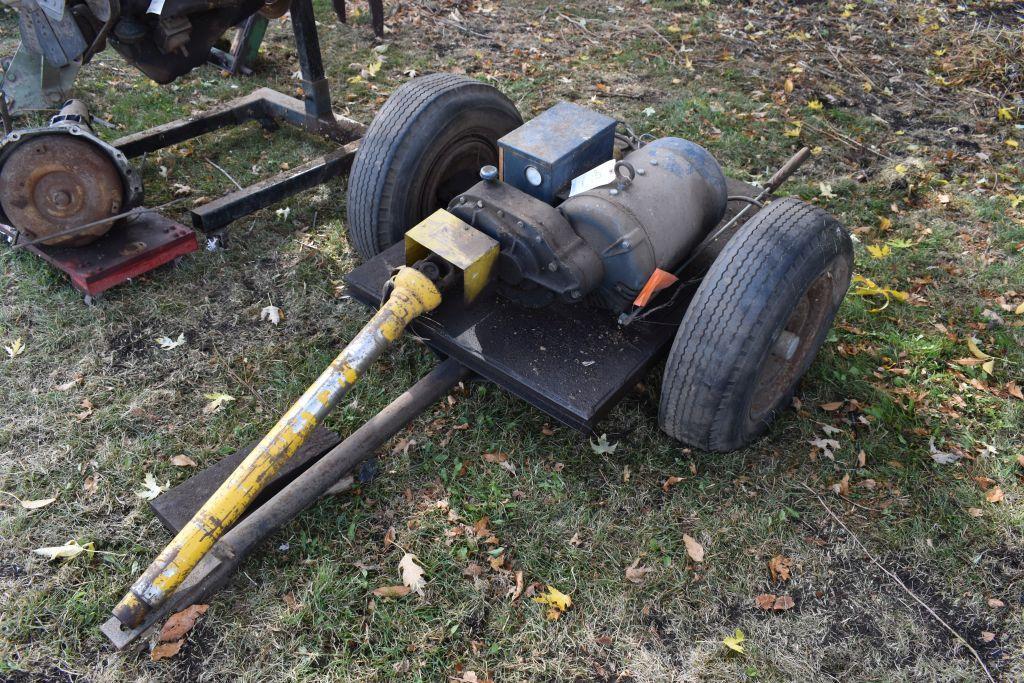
(542, 156)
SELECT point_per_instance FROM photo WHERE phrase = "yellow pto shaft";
(413, 294)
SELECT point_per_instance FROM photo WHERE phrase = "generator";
(560, 258)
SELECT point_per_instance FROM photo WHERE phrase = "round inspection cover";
(52, 183)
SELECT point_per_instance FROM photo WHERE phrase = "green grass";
(567, 517)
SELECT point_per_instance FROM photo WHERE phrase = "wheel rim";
(794, 346)
(454, 171)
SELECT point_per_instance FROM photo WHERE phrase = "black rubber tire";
(790, 261)
(403, 154)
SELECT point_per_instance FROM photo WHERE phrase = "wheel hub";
(52, 183)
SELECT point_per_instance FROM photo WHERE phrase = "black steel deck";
(572, 362)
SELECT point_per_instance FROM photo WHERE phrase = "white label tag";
(155, 7)
(595, 177)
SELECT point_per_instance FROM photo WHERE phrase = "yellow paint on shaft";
(413, 294)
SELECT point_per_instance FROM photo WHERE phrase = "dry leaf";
(183, 461)
(602, 446)
(167, 344)
(996, 603)
(558, 601)
(272, 314)
(180, 623)
(16, 348)
(826, 446)
(735, 641)
(987, 636)
(670, 482)
(36, 504)
(941, 457)
(495, 458)
(842, 487)
(412, 573)
(780, 567)
(774, 602)
(972, 345)
(994, 495)
(165, 650)
(150, 488)
(515, 592)
(68, 551)
(833, 406)
(217, 402)
(862, 458)
(636, 573)
(694, 549)
(1014, 390)
(392, 591)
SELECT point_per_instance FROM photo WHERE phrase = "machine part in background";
(275, 9)
(57, 178)
(51, 31)
(755, 325)
(541, 258)
(542, 156)
(425, 146)
(30, 82)
(668, 195)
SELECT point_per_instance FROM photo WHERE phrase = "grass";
(302, 607)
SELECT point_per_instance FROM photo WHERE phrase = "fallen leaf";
(988, 367)
(165, 650)
(783, 602)
(825, 191)
(815, 105)
(602, 446)
(217, 402)
(183, 461)
(826, 446)
(780, 567)
(16, 348)
(636, 572)
(291, 602)
(694, 549)
(842, 487)
(516, 591)
(975, 512)
(987, 636)
(495, 458)
(68, 551)
(879, 252)
(392, 591)
(180, 623)
(670, 482)
(996, 603)
(862, 458)
(36, 504)
(1013, 389)
(941, 457)
(994, 495)
(150, 488)
(558, 601)
(972, 344)
(868, 288)
(272, 314)
(831, 407)
(167, 344)
(735, 641)
(412, 573)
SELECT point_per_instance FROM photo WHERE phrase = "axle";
(413, 294)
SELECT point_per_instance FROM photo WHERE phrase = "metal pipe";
(321, 476)
(413, 294)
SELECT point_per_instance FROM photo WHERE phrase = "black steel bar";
(316, 92)
(214, 571)
(377, 17)
(231, 113)
(221, 212)
(289, 110)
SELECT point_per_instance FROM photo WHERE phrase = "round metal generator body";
(668, 196)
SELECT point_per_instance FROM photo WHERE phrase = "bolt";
(626, 244)
(520, 224)
(613, 192)
(641, 171)
(462, 200)
(552, 266)
(479, 204)
(489, 173)
(500, 213)
(654, 162)
(60, 199)
(575, 294)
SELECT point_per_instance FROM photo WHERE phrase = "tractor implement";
(530, 244)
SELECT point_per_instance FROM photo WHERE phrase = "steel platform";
(137, 246)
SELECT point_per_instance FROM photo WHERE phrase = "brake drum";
(52, 183)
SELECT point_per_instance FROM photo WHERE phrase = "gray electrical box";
(542, 156)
